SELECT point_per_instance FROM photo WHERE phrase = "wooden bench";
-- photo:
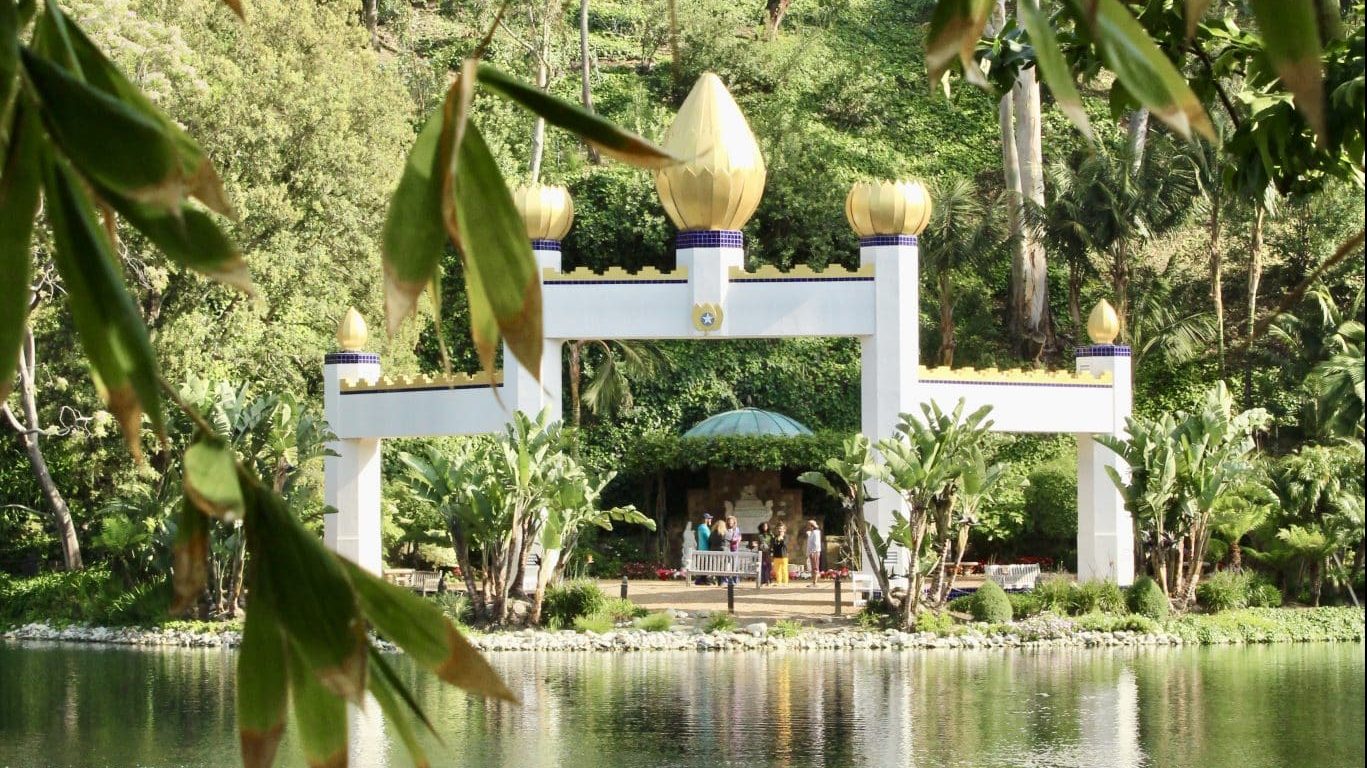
(745, 564)
(1013, 577)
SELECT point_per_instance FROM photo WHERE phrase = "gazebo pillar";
(1105, 532)
(351, 478)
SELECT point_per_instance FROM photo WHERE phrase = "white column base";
(352, 479)
(1105, 535)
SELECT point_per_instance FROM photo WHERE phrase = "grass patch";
(720, 622)
(622, 609)
(656, 622)
(598, 622)
(786, 628)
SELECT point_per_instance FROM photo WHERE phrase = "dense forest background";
(308, 114)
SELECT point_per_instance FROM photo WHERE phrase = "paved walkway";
(796, 600)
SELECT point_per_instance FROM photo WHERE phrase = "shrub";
(622, 609)
(991, 605)
(1024, 604)
(1103, 622)
(786, 628)
(876, 614)
(656, 622)
(931, 621)
(456, 606)
(1051, 503)
(720, 622)
(1146, 598)
(61, 596)
(1264, 594)
(597, 621)
(1223, 591)
(962, 604)
(1055, 593)
(1097, 597)
(567, 602)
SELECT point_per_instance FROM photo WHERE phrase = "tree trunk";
(1120, 286)
(1075, 298)
(1137, 137)
(1217, 291)
(946, 320)
(1036, 328)
(775, 10)
(1236, 556)
(1255, 275)
(29, 433)
(370, 13)
(675, 66)
(1011, 178)
(576, 365)
(539, 127)
(585, 67)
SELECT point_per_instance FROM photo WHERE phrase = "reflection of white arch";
(710, 295)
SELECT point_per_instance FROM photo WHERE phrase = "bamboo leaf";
(188, 565)
(200, 178)
(189, 237)
(318, 712)
(413, 236)
(499, 267)
(108, 141)
(1129, 52)
(210, 480)
(1291, 38)
(603, 134)
(1194, 11)
(111, 330)
(262, 688)
(1054, 68)
(425, 634)
(9, 69)
(382, 687)
(18, 206)
(304, 586)
(955, 28)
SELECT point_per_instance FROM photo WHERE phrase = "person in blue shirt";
(704, 533)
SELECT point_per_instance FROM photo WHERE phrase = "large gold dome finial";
(888, 207)
(722, 179)
(547, 211)
(1103, 325)
(351, 332)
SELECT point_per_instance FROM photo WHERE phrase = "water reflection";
(1271, 706)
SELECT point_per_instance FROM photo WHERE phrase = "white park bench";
(866, 584)
(745, 564)
(1013, 577)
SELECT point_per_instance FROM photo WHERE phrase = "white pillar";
(351, 479)
(889, 358)
(1105, 532)
(521, 390)
(709, 256)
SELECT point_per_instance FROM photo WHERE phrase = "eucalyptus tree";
(966, 229)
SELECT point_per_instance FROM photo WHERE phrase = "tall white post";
(351, 479)
(709, 255)
(520, 388)
(889, 357)
(1105, 532)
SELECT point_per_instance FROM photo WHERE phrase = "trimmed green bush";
(1264, 594)
(992, 605)
(1223, 591)
(1097, 597)
(563, 603)
(656, 622)
(599, 622)
(720, 622)
(1146, 598)
(961, 604)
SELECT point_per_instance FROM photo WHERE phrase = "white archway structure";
(710, 295)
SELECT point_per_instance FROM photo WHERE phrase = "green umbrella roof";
(748, 421)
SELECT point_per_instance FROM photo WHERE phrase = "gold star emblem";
(707, 317)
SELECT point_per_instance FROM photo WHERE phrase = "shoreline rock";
(684, 638)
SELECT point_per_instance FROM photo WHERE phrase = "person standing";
(765, 542)
(704, 537)
(779, 554)
(732, 539)
(813, 550)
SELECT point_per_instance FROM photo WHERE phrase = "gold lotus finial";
(351, 332)
(1103, 325)
(888, 207)
(547, 211)
(720, 184)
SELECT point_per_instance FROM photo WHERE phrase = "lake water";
(1283, 705)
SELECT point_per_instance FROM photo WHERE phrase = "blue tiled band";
(959, 382)
(546, 245)
(1103, 350)
(335, 358)
(712, 238)
(865, 242)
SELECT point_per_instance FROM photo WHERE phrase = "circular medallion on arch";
(748, 422)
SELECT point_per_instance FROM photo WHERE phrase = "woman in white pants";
(813, 550)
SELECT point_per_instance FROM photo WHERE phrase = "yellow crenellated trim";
(799, 272)
(421, 381)
(1015, 376)
(611, 274)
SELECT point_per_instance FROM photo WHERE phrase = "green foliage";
(1106, 622)
(91, 596)
(1264, 594)
(1269, 625)
(991, 604)
(621, 609)
(877, 614)
(1055, 594)
(1024, 604)
(1223, 591)
(934, 621)
(1146, 598)
(566, 602)
(786, 628)
(1097, 597)
(599, 622)
(720, 622)
(456, 606)
(660, 621)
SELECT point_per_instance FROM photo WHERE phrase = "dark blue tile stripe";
(887, 240)
(333, 358)
(616, 282)
(433, 388)
(1103, 350)
(715, 238)
(1015, 383)
(802, 280)
(545, 245)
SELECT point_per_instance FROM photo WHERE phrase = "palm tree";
(1162, 333)
(1238, 513)
(612, 365)
(965, 229)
